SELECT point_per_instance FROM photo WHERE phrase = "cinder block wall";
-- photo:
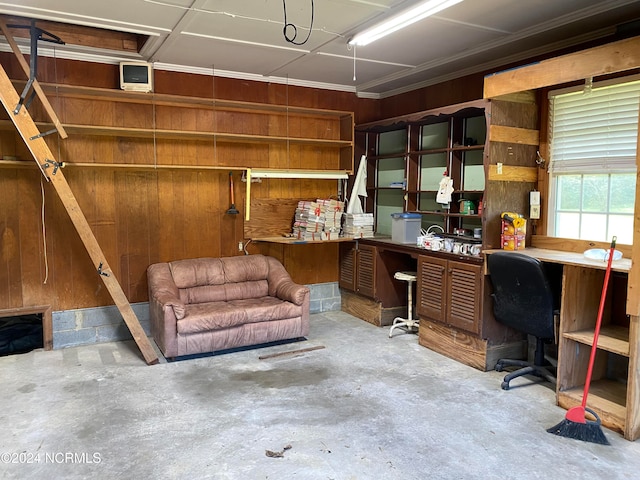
(105, 324)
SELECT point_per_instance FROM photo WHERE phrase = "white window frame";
(606, 166)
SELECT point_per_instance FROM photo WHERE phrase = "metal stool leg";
(409, 323)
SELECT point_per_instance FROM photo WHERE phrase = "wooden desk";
(614, 392)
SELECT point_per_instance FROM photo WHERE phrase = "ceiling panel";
(247, 36)
(206, 53)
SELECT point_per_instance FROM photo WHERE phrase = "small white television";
(136, 76)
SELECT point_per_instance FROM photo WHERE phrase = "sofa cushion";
(223, 293)
(198, 272)
(202, 317)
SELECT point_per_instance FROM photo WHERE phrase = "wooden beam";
(46, 161)
(524, 136)
(633, 288)
(613, 57)
(509, 173)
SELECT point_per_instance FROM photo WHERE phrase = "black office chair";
(525, 300)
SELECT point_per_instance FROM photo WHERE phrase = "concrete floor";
(363, 407)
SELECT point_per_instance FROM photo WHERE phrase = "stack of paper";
(358, 225)
(308, 223)
(332, 211)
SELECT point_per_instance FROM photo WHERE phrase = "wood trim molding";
(509, 173)
(574, 245)
(524, 136)
(47, 320)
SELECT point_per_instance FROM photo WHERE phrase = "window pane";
(594, 227)
(622, 227)
(623, 193)
(568, 225)
(595, 191)
(569, 187)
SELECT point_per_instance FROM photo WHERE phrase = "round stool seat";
(406, 276)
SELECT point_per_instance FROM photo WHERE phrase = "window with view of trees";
(593, 134)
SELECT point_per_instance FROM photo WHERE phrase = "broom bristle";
(587, 432)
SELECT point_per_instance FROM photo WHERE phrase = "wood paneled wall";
(141, 216)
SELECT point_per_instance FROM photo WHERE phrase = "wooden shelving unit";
(96, 112)
(614, 379)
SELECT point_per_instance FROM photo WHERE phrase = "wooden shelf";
(296, 241)
(612, 338)
(606, 397)
(92, 93)
(99, 130)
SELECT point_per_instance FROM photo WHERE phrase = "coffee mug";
(437, 244)
(465, 249)
(448, 245)
(457, 247)
(475, 249)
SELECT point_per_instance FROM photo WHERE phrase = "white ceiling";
(245, 38)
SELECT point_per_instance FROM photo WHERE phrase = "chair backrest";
(522, 295)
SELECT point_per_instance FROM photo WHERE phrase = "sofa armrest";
(292, 292)
(281, 285)
(163, 290)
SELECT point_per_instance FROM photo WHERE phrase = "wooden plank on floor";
(43, 156)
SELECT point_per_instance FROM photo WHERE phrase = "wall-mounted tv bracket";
(36, 34)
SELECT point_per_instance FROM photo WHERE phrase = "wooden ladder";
(51, 170)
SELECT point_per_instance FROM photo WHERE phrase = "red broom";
(576, 425)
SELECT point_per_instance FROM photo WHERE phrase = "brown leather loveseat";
(208, 304)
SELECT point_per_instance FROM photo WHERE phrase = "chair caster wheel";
(498, 367)
(505, 385)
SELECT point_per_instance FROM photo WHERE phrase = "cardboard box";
(509, 229)
(512, 242)
(405, 227)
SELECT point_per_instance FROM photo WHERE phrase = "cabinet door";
(366, 270)
(464, 293)
(431, 287)
(348, 266)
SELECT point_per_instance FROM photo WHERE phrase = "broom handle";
(596, 332)
(231, 187)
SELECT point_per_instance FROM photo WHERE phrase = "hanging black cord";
(295, 30)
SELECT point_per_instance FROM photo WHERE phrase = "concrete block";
(64, 320)
(331, 304)
(73, 338)
(113, 333)
(315, 306)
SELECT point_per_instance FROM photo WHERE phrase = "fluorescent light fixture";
(314, 174)
(403, 19)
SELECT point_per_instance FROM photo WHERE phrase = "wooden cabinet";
(450, 292)
(487, 147)
(409, 157)
(358, 269)
(614, 388)
(368, 269)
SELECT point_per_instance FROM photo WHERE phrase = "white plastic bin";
(405, 227)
